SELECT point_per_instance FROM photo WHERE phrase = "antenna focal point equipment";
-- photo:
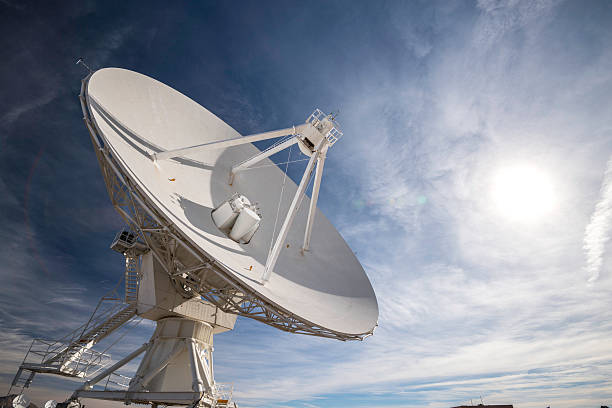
(211, 236)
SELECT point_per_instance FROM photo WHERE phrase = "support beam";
(162, 398)
(207, 368)
(295, 205)
(89, 384)
(197, 384)
(312, 212)
(228, 142)
(178, 349)
(259, 157)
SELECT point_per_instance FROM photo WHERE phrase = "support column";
(259, 157)
(312, 212)
(293, 208)
(222, 144)
(172, 363)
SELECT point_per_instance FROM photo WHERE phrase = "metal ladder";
(126, 242)
(132, 279)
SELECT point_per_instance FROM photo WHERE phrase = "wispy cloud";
(13, 114)
(471, 304)
(597, 233)
(433, 101)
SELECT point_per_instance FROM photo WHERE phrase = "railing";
(316, 119)
(132, 279)
(333, 135)
(107, 306)
(117, 381)
(53, 356)
(222, 393)
(72, 355)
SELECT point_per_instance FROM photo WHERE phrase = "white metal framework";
(164, 355)
(326, 132)
(180, 350)
(72, 355)
(293, 208)
(222, 144)
(165, 241)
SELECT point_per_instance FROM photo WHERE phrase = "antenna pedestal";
(177, 365)
(177, 369)
(178, 360)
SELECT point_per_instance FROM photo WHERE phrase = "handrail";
(87, 363)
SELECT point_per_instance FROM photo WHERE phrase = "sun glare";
(523, 193)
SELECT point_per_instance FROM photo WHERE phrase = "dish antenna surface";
(150, 129)
(216, 230)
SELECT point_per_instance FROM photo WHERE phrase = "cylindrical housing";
(224, 216)
(244, 223)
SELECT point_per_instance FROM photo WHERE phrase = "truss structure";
(72, 355)
(166, 243)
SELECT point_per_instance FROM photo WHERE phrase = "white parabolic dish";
(326, 287)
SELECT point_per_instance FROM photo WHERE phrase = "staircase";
(73, 358)
(75, 349)
(72, 355)
(105, 328)
(127, 243)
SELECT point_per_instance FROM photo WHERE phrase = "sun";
(522, 193)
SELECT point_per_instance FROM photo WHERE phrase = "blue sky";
(474, 181)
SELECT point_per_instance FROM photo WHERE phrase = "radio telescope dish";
(21, 401)
(202, 246)
(142, 121)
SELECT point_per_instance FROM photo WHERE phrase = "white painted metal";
(312, 211)
(322, 126)
(224, 143)
(50, 404)
(76, 351)
(131, 119)
(21, 401)
(160, 398)
(197, 367)
(177, 358)
(93, 381)
(73, 356)
(237, 218)
(159, 298)
(245, 224)
(162, 359)
(327, 289)
(260, 156)
(295, 205)
(131, 278)
(224, 216)
(246, 237)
